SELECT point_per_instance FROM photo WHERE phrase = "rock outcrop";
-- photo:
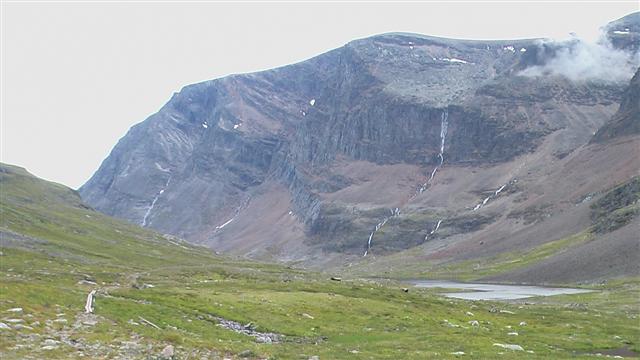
(626, 121)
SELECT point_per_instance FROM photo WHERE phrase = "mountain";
(408, 149)
(158, 297)
(624, 33)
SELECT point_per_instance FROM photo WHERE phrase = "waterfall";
(242, 206)
(437, 227)
(433, 231)
(444, 125)
(225, 224)
(495, 193)
(394, 212)
(153, 202)
(366, 252)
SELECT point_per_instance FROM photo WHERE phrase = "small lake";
(474, 291)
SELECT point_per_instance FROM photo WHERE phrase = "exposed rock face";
(344, 139)
(617, 208)
(627, 120)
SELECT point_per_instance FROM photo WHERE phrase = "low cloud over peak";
(580, 60)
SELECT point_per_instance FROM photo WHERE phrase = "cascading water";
(433, 231)
(225, 224)
(495, 193)
(244, 204)
(153, 202)
(394, 212)
(444, 125)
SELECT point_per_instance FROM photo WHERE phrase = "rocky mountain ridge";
(386, 144)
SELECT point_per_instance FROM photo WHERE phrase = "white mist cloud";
(580, 60)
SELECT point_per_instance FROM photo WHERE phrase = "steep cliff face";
(358, 144)
(626, 121)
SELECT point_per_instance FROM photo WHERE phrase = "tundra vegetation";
(159, 297)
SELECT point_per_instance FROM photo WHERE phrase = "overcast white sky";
(75, 76)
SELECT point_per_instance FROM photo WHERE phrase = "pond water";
(475, 291)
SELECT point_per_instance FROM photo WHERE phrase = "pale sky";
(76, 75)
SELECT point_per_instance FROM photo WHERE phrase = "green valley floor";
(157, 296)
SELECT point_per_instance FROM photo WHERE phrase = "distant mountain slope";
(626, 121)
(52, 220)
(393, 142)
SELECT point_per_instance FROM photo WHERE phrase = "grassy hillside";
(154, 291)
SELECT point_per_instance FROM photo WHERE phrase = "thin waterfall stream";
(444, 124)
(153, 202)
(493, 195)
